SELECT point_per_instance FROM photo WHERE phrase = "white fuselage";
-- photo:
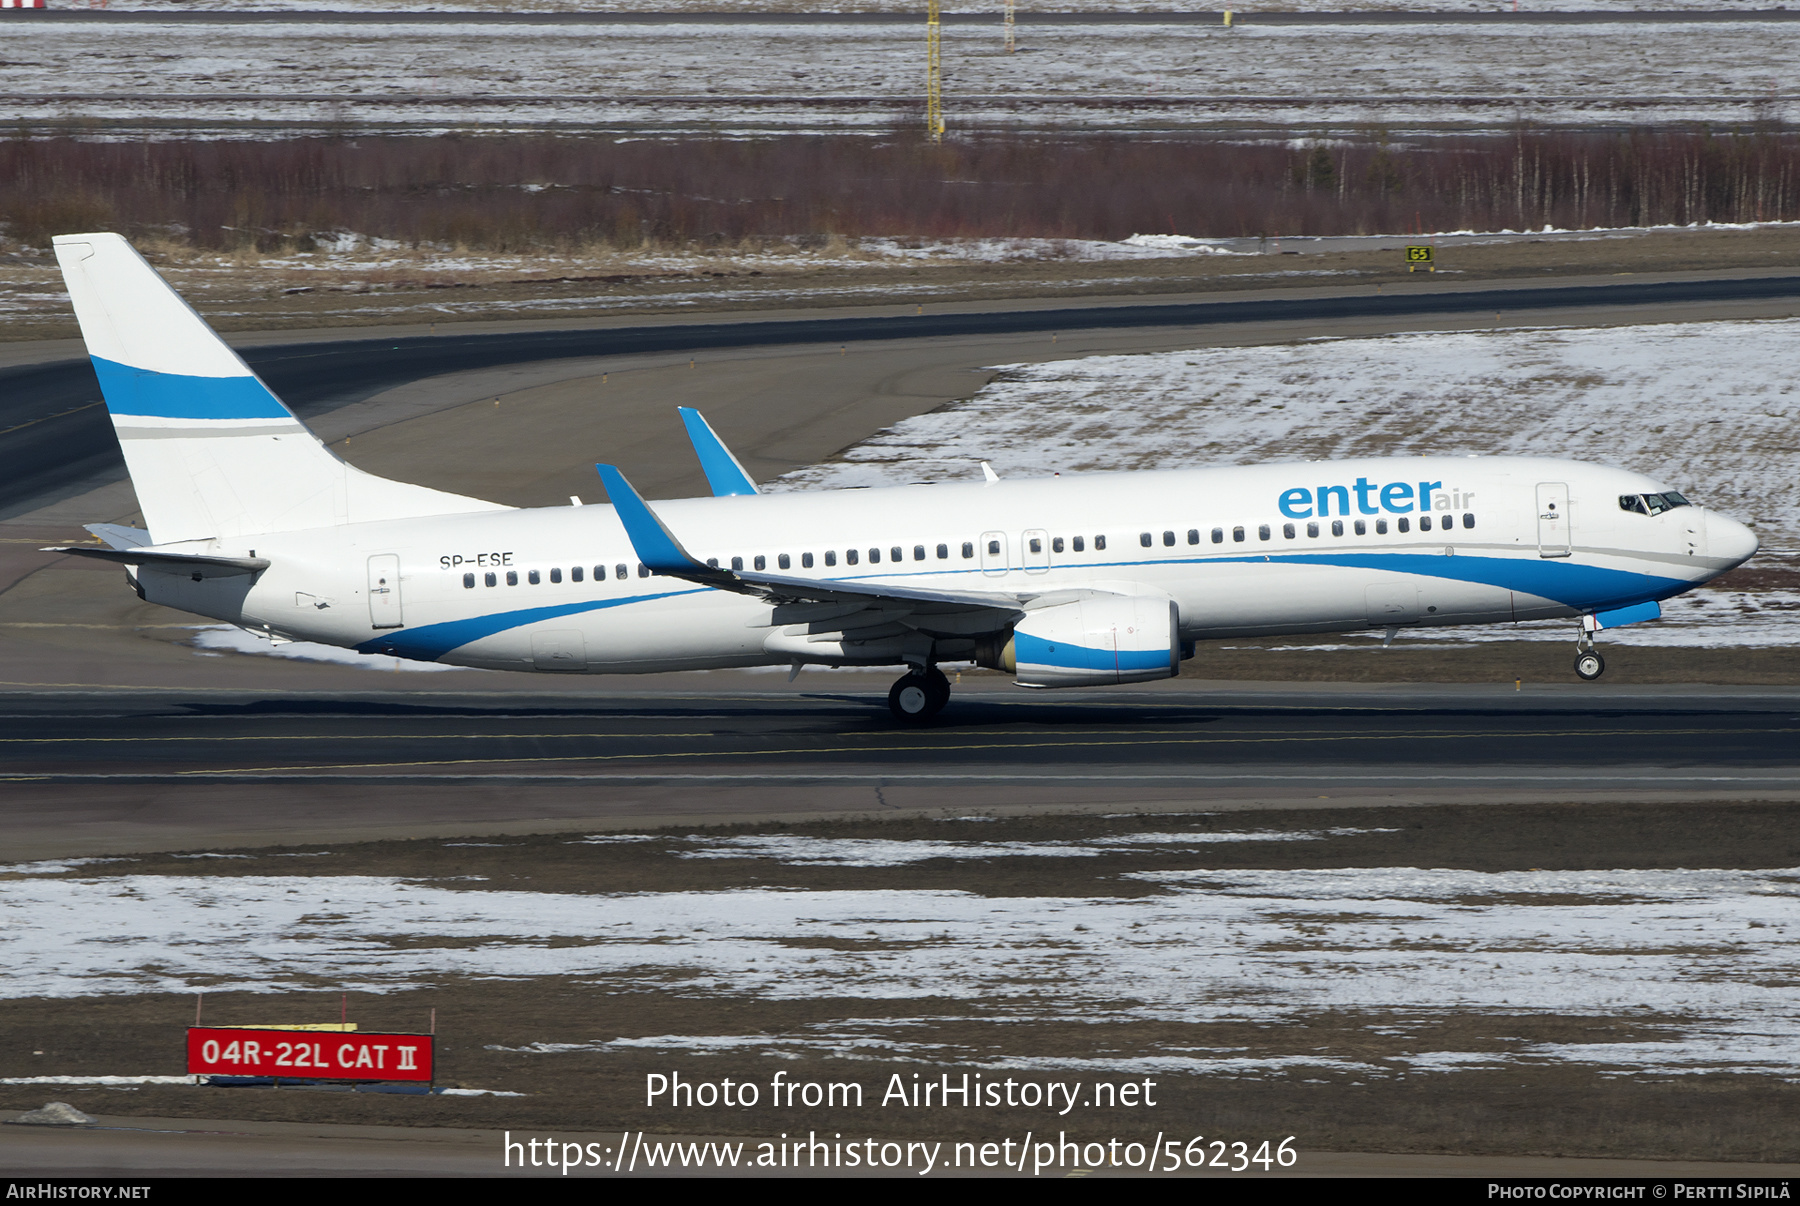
(1218, 545)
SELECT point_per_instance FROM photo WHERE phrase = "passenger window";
(468, 581)
(1468, 519)
(896, 554)
(1287, 530)
(805, 560)
(1337, 527)
(737, 563)
(830, 556)
(621, 572)
(1193, 535)
(1381, 527)
(918, 552)
(850, 557)
(1077, 544)
(491, 581)
(1168, 540)
(874, 556)
(643, 570)
(713, 561)
(1144, 539)
(556, 574)
(576, 574)
(1405, 524)
(1312, 529)
(1037, 544)
(1362, 527)
(1099, 544)
(993, 548)
(532, 577)
(1056, 544)
(761, 562)
(599, 573)
(1424, 523)
(1218, 535)
(968, 549)
(943, 552)
(1237, 534)
(783, 561)
(1262, 533)
(512, 577)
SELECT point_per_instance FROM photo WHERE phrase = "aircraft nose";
(1731, 540)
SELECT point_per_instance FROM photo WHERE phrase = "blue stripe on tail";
(133, 391)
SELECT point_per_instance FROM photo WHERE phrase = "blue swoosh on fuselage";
(1573, 585)
(432, 641)
(1585, 587)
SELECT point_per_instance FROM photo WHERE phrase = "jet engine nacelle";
(1096, 641)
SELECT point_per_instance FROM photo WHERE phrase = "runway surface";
(53, 427)
(90, 772)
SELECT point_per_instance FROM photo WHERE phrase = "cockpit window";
(1652, 504)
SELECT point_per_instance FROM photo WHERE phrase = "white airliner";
(1063, 582)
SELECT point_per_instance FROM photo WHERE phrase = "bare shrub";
(521, 194)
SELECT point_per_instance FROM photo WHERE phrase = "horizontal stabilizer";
(221, 566)
(723, 473)
(118, 536)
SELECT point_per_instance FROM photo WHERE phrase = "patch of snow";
(1710, 952)
(96, 1080)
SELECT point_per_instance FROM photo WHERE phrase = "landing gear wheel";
(1589, 665)
(939, 686)
(916, 698)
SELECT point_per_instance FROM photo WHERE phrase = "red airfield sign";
(308, 1054)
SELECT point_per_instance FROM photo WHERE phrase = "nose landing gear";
(918, 697)
(1589, 665)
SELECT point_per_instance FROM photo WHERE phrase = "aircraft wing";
(658, 548)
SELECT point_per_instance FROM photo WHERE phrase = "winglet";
(654, 544)
(723, 473)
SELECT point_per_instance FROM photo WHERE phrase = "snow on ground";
(880, 852)
(1703, 957)
(672, 78)
(1711, 408)
(889, 6)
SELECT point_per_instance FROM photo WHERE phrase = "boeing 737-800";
(1063, 582)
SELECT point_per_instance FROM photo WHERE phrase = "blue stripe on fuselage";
(432, 641)
(133, 391)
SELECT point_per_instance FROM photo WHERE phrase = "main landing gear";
(919, 696)
(1589, 665)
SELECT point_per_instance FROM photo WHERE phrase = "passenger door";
(994, 559)
(384, 591)
(1555, 534)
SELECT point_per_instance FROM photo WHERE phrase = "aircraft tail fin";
(212, 452)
